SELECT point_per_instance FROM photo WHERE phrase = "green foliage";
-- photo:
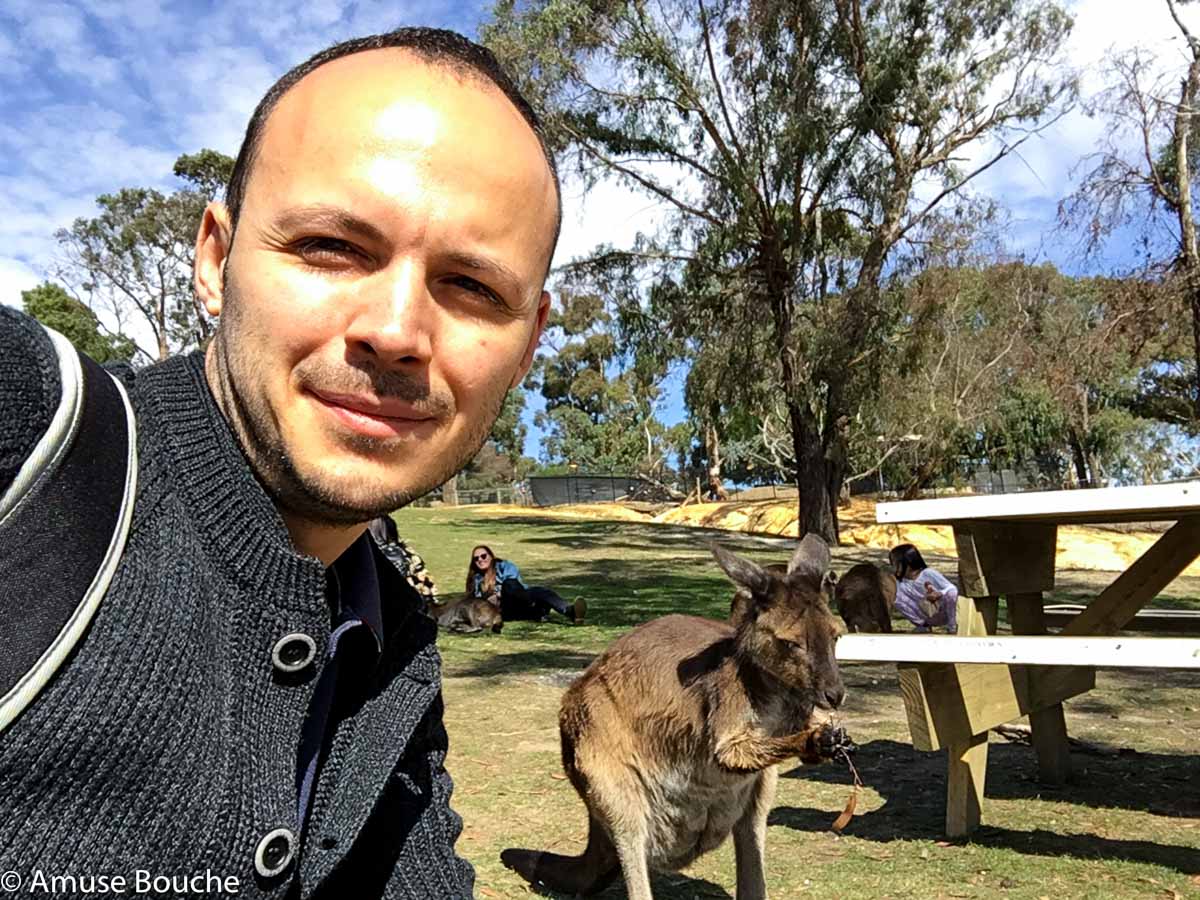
(501, 460)
(51, 305)
(208, 172)
(1016, 366)
(785, 139)
(508, 433)
(599, 411)
(135, 258)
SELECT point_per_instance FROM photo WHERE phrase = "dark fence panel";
(554, 490)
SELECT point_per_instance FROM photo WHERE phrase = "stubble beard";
(311, 495)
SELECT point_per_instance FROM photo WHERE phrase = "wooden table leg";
(964, 786)
(1048, 725)
(967, 763)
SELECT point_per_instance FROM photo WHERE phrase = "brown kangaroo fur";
(470, 614)
(865, 596)
(741, 603)
(672, 736)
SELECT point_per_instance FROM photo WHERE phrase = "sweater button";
(293, 652)
(274, 852)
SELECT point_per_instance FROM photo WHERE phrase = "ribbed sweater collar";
(236, 517)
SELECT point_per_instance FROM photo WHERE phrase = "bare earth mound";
(1079, 547)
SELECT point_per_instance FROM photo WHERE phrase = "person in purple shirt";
(924, 595)
(499, 581)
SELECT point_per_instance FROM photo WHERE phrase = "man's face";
(384, 286)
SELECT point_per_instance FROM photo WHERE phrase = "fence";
(511, 495)
(516, 495)
(553, 490)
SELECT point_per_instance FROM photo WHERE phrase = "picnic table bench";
(958, 687)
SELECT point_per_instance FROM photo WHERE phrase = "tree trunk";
(817, 513)
(836, 442)
(712, 453)
(1187, 224)
(1079, 458)
(450, 492)
(816, 510)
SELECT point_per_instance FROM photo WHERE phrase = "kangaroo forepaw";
(523, 862)
(828, 742)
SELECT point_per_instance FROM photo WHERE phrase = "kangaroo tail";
(592, 871)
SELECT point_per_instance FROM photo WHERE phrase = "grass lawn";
(1128, 827)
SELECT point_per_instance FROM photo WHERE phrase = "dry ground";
(1129, 827)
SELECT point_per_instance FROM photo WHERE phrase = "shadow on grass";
(912, 784)
(542, 659)
(582, 535)
(669, 884)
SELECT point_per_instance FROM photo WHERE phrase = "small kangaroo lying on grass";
(469, 615)
(672, 736)
(865, 596)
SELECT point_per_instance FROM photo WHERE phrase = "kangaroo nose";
(835, 695)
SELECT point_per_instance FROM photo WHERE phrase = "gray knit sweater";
(167, 743)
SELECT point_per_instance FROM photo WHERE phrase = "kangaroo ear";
(811, 557)
(742, 572)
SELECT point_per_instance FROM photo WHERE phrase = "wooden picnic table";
(958, 687)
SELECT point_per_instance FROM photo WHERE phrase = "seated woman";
(499, 581)
(924, 596)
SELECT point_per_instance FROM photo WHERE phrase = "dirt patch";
(1097, 548)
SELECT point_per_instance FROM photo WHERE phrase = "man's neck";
(325, 542)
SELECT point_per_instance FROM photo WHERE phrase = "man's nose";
(395, 316)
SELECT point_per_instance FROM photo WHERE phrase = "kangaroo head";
(787, 629)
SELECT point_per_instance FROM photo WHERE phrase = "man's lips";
(371, 416)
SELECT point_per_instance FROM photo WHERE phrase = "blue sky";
(98, 96)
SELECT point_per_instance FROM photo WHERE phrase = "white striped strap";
(63, 524)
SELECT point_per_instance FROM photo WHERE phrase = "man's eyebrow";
(487, 266)
(333, 218)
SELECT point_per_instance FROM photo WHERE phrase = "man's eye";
(324, 250)
(475, 287)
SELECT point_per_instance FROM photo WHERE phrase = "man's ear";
(213, 242)
(543, 312)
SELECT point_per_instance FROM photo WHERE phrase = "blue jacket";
(504, 571)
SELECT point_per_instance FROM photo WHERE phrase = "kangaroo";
(470, 614)
(741, 604)
(672, 736)
(865, 596)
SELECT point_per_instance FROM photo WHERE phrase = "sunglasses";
(480, 558)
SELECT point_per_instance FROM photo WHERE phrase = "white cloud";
(610, 213)
(15, 276)
(1041, 171)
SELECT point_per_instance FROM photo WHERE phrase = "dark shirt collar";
(356, 589)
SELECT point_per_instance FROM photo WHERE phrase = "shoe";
(578, 610)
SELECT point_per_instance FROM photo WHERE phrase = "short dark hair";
(432, 45)
(906, 558)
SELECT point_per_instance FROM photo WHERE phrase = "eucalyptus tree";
(793, 144)
(1143, 175)
(51, 305)
(134, 259)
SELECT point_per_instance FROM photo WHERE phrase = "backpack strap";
(63, 524)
